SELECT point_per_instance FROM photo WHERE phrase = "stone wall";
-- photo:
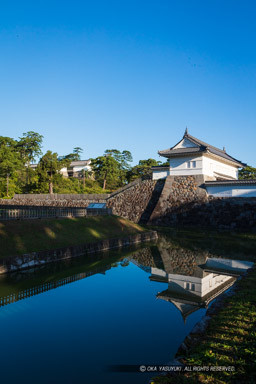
(178, 195)
(184, 202)
(218, 213)
(137, 202)
(175, 201)
(54, 200)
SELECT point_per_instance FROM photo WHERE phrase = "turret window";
(191, 164)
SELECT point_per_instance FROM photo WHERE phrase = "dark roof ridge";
(234, 159)
(202, 143)
(202, 147)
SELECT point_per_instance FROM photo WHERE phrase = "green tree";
(77, 153)
(112, 168)
(10, 160)
(123, 160)
(106, 170)
(48, 170)
(143, 169)
(75, 156)
(247, 173)
(30, 147)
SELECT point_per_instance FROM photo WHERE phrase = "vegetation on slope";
(19, 237)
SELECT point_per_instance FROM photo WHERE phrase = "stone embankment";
(184, 202)
(55, 200)
(137, 202)
(35, 259)
(179, 194)
(175, 201)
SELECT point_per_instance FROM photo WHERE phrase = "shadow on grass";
(18, 237)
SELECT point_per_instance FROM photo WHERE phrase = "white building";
(76, 168)
(191, 156)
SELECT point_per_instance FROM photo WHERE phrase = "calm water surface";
(69, 322)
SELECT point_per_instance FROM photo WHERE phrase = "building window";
(191, 164)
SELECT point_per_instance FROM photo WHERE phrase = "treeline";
(110, 171)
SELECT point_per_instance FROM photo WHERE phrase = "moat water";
(72, 322)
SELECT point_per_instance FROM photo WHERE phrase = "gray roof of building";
(201, 147)
(159, 167)
(72, 164)
(80, 162)
(230, 182)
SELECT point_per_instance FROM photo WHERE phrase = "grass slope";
(18, 237)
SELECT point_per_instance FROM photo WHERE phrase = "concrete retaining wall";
(15, 263)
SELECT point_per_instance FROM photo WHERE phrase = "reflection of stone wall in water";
(171, 259)
(180, 260)
(149, 257)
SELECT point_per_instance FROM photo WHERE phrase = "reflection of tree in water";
(124, 263)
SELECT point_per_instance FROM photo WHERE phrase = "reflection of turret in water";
(190, 293)
(194, 278)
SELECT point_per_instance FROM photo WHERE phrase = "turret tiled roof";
(201, 147)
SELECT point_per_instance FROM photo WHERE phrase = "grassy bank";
(230, 340)
(19, 237)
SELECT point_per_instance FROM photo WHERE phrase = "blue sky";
(129, 74)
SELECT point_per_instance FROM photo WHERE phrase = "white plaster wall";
(161, 174)
(232, 190)
(211, 165)
(80, 168)
(228, 264)
(178, 166)
(202, 286)
(158, 272)
(204, 166)
(185, 143)
(182, 282)
(212, 281)
(64, 171)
